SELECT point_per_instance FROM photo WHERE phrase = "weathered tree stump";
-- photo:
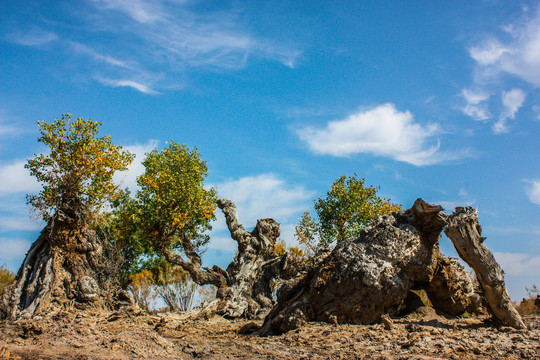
(466, 235)
(63, 268)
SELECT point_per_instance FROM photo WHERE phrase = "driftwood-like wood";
(466, 234)
(244, 287)
(364, 278)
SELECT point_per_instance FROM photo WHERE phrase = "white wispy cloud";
(14, 178)
(153, 44)
(476, 106)
(533, 191)
(85, 50)
(512, 101)
(517, 264)
(512, 54)
(128, 83)
(32, 37)
(382, 131)
(489, 52)
(176, 37)
(139, 10)
(519, 55)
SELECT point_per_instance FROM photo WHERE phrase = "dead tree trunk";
(244, 288)
(466, 235)
(61, 269)
(451, 289)
(367, 277)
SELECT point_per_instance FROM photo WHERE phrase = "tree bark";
(451, 289)
(244, 288)
(63, 268)
(366, 277)
(466, 235)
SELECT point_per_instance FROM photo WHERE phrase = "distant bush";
(142, 288)
(6, 277)
(177, 289)
(527, 306)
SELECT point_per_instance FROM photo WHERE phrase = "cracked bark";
(244, 287)
(63, 268)
(466, 235)
(367, 277)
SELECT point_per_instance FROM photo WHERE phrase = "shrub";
(142, 288)
(177, 289)
(6, 277)
(527, 306)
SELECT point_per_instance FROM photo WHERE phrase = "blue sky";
(438, 100)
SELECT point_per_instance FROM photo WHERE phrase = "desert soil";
(136, 335)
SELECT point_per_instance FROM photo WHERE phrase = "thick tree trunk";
(364, 278)
(466, 235)
(244, 288)
(61, 269)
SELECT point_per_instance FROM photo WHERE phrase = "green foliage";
(307, 234)
(77, 173)
(6, 277)
(120, 228)
(172, 204)
(348, 207)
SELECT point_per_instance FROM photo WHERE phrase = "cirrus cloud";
(512, 101)
(519, 55)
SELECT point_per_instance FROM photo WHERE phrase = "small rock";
(387, 322)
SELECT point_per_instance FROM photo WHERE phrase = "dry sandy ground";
(135, 335)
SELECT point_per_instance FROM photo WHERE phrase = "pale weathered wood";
(466, 234)
(244, 287)
(366, 277)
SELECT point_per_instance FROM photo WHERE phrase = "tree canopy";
(77, 173)
(348, 207)
(173, 204)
